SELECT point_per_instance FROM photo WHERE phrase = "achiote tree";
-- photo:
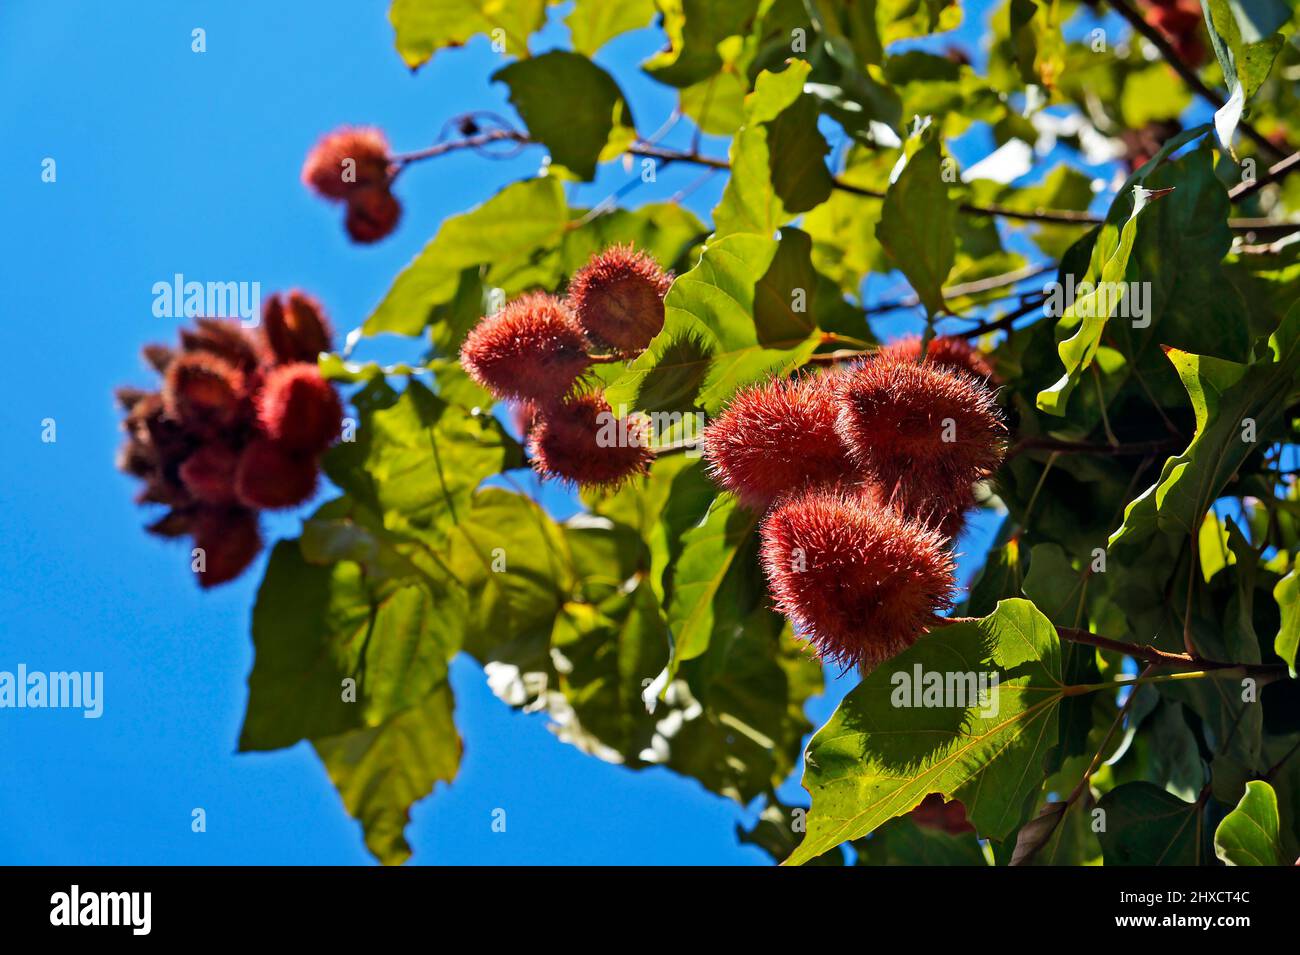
(1105, 366)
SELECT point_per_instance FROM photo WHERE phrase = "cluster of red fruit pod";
(536, 351)
(238, 426)
(355, 166)
(866, 474)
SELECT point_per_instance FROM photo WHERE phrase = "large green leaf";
(1245, 42)
(1141, 824)
(502, 235)
(731, 320)
(715, 582)
(1287, 595)
(381, 771)
(696, 30)
(874, 760)
(1236, 406)
(593, 23)
(333, 654)
(918, 219)
(425, 26)
(572, 106)
(1249, 834)
(778, 165)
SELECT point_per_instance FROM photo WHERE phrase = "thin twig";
(1272, 174)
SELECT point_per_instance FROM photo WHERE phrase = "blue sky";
(170, 161)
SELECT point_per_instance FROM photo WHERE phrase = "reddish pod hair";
(950, 817)
(923, 433)
(618, 298)
(951, 351)
(230, 542)
(295, 329)
(299, 408)
(776, 437)
(531, 350)
(347, 161)
(271, 476)
(860, 581)
(203, 390)
(223, 337)
(582, 442)
(372, 214)
(209, 473)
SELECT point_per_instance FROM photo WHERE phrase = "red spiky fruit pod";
(531, 350)
(157, 357)
(372, 214)
(523, 415)
(271, 476)
(776, 437)
(618, 298)
(582, 442)
(952, 351)
(860, 581)
(209, 473)
(229, 540)
(225, 338)
(295, 328)
(949, 817)
(347, 161)
(205, 392)
(923, 433)
(299, 408)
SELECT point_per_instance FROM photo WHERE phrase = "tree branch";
(1274, 173)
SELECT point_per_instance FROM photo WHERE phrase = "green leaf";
(593, 23)
(1235, 406)
(572, 106)
(1091, 311)
(731, 320)
(778, 165)
(1287, 595)
(1144, 825)
(425, 26)
(502, 235)
(918, 220)
(417, 462)
(1242, 33)
(1249, 834)
(331, 655)
(381, 771)
(696, 32)
(874, 760)
(715, 585)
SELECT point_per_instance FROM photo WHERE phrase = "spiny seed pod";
(271, 476)
(209, 474)
(299, 408)
(295, 328)
(175, 523)
(582, 441)
(229, 540)
(347, 161)
(372, 214)
(923, 433)
(952, 351)
(860, 581)
(224, 338)
(203, 390)
(531, 350)
(949, 817)
(618, 298)
(158, 357)
(777, 437)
